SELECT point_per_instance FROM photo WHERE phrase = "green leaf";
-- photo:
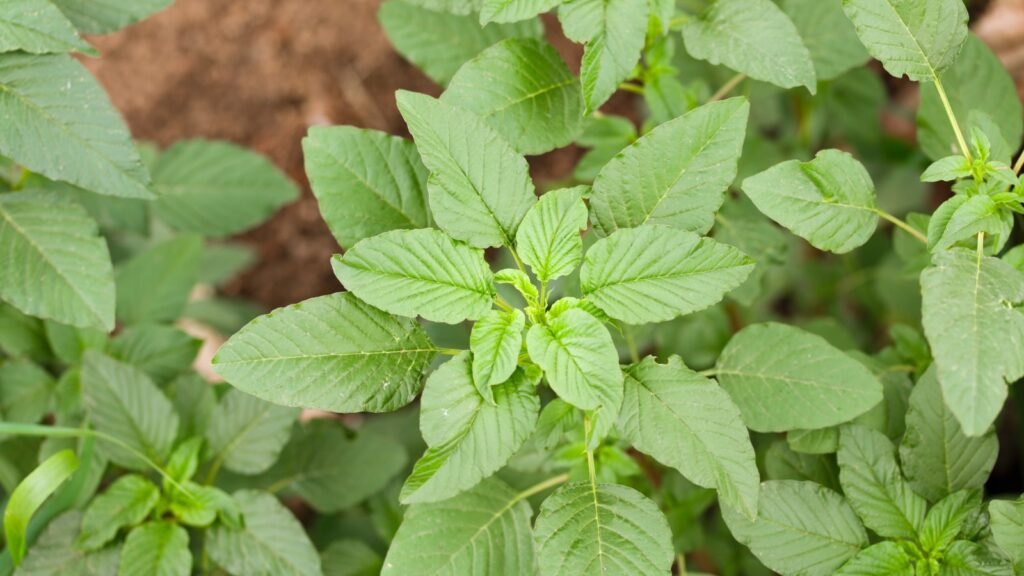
(183, 462)
(246, 434)
(486, 531)
(969, 318)
(55, 553)
(513, 10)
(977, 81)
(829, 201)
(272, 541)
(449, 6)
(656, 273)
(882, 559)
(194, 401)
(161, 351)
(124, 403)
(468, 439)
(937, 457)
(828, 35)
(871, 480)
(102, 16)
(68, 342)
(331, 352)
(366, 182)
(947, 518)
(918, 38)
(159, 548)
(154, 286)
(784, 378)
(479, 187)
(625, 532)
(687, 422)
(684, 189)
(614, 50)
(947, 169)
(38, 27)
(418, 273)
(549, 239)
(753, 37)
(523, 90)
(801, 528)
(495, 342)
(127, 502)
(964, 558)
(350, 558)
(25, 391)
(59, 123)
(741, 225)
(967, 217)
(217, 188)
(579, 360)
(439, 43)
(332, 470)
(1007, 522)
(56, 264)
(30, 494)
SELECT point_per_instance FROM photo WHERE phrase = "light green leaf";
(975, 332)
(947, 169)
(127, 502)
(438, 42)
(30, 494)
(801, 528)
(967, 217)
(102, 16)
(271, 542)
(828, 35)
(55, 552)
(25, 391)
(579, 360)
(919, 38)
(965, 558)
(56, 265)
(1007, 521)
(520, 281)
(449, 6)
(366, 182)
(871, 480)
(350, 558)
(59, 123)
(246, 434)
(625, 533)
(783, 463)
(486, 531)
(686, 421)
(741, 225)
(124, 403)
(882, 559)
(522, 89)
(549, 239)
(154, 286)
(418, 273)
(611, 54)
(656, 273)
(331, 352)
(977, 81)
(201, 508)
(68, 342)
(829, 201)
(784, 378)
(754, 37)
(217, 188)
(581, 20)
(947, 518)
(38, 27)
(159, 548)
(468, 439)
(161, 351)
(684, 189)
(513, 10)
(194, 401)
(479, 187)
(495, 341)
(937, 457)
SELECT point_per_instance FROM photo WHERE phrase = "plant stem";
(502, 303)
(1020, 163)
(981, 246)
(902, 225)
(952, 120)
(728, 87)
(538, 488)
(591, 469)
(627, 334)
(449, 351)
(631, 87)
(681, 563)
(709, 373)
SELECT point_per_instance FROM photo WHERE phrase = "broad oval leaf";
(486, 531)
(674, 175)
(1007, 522)
(976, 333)
(881, 559)
(59, 123)
(159, 548)
(549, 239)
(479, 187)
(56, 265)
(625, 534)
(783, 378)
(37, 27)
(246, 434)
(579, 360)
(522, 89)
(801, 528)
(686, 421)
(332, 352)
(495, 341)
(100, 17)
(656, 273)
(828, 35)
(366, 182)
(614, 50)
(468, 438)
(155, 285)
(829, 201)
(754, 37)
(418, 273)
(919, 38)
(126, 502)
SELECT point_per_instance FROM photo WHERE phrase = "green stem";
(449, 351)
(1020, 163)
(630, 87)
(981, 246)
(681, 563)
(952, 120)
(591, 469)
(902, 225)
(538, 488)
(627, 333)
(728, 87)
(709, 373)
(502, 303)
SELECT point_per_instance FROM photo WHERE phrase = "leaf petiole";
(902, 225)
(964, 149)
